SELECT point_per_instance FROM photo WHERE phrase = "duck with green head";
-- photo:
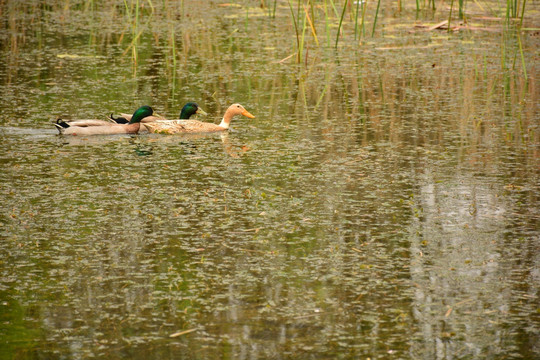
(195, 126)
(101, 127)
(191, 108)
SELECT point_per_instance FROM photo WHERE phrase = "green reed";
(356, 17)
(298, 58)
(134, 11)
(450, 15)
(376, 16)
(334, 7)
(341, 22)
(461, 9)
(522, 13)
(327, 24)
(363, 22)
(302, 38)
(312, 27)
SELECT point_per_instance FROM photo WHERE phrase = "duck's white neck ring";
(224, 124)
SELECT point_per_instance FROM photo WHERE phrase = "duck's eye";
(238, 106)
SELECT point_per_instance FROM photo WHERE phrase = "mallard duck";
(189, 109)
(194, 126)
(102, 127)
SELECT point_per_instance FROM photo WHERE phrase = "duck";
(195, 126)
(190, 108)
(102, 127)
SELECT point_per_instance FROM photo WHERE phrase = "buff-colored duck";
(187, 111)
(101, 127)
(194, 126)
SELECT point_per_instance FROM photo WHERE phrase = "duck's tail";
(61, 125)
(119, 120)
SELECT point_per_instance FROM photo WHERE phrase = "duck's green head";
(141, 113)
(189, 109)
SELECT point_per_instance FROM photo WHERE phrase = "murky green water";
(383, 204)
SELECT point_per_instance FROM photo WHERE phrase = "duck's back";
(181, 126)
(109, 129)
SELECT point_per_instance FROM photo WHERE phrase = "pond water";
(383, 204)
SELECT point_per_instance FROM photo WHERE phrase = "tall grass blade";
(302, 38)
(376, 16)
(341, 22)
(450, 15)
(151, 7)
(363, 23)
(327, 23)
(311, 25)
(334, 7)
(522, 13)
(356, 18)
(298, 56)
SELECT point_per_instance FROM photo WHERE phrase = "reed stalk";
(298, 56)
(356, 18)
(311, 6)
(136, 32)
(507, 15)
(376, 16)
(327, 24)
(298, 12)
(302, 39)
(341, 22)
(334, 7)
(313, 31)
(135, 37)
(450, 15)
(363, 23)
(522, 13)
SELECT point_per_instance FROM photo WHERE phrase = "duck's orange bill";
(247, 114)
